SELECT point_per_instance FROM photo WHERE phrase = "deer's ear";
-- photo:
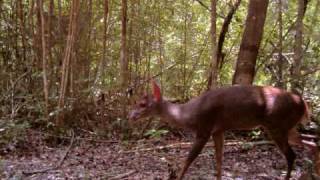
(156, 90)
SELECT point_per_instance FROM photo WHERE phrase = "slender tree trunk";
(160, 41)
(279, 82)
(49, 40)
(137, 44)
(67, 57)
(124, 62)
(123, 53)
(15, 17)
(44, 59)
(22, 29)
(214, 61)
(129, 44)
(298, 51)
(33, 51)
(103, 60)
(223, 32)
(219, 58)
(87, 71)
(37, 37)
(185, 55)
(105, 28)
(250, 43)
(59, 18)
(60, 46)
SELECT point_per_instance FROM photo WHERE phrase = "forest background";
(81, 64)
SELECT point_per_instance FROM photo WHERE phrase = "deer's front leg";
(218, 139)
(194, 152)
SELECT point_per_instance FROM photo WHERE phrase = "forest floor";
(145, 159)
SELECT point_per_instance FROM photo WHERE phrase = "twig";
(314, 70)
(203, 5)
(59, 164)
(13, 84)
(121, 176)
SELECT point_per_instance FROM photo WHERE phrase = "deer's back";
(245, 107)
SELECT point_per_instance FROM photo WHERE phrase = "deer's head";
(148, 105)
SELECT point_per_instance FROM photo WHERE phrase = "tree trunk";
(105, 27)
(49, 40)
(298, 51)
(67, 57)
(103, 60)
(250, 43)
(86, 67)
(279, 79)
(37, 36)
(123, 53)
(222, 35)
(223, 32)
(22, 29)
(137, 44)
(185, 56)
(44, 59)
(214, 61)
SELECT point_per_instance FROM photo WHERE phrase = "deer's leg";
(194, 152)
(281, 139)
(218, 139)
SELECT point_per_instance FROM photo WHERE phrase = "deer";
(238, 107)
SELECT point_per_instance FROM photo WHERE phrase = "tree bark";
(250, 43)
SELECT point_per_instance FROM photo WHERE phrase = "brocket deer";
(230, 108)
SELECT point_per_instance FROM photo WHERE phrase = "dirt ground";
(144, 159)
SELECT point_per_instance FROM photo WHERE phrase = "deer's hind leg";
(280, 137)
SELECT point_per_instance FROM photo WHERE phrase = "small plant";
(154, 133)
(255, 134)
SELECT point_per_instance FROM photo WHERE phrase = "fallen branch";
(189, 144)
(59, 164)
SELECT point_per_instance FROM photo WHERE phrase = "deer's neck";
(173, 113)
